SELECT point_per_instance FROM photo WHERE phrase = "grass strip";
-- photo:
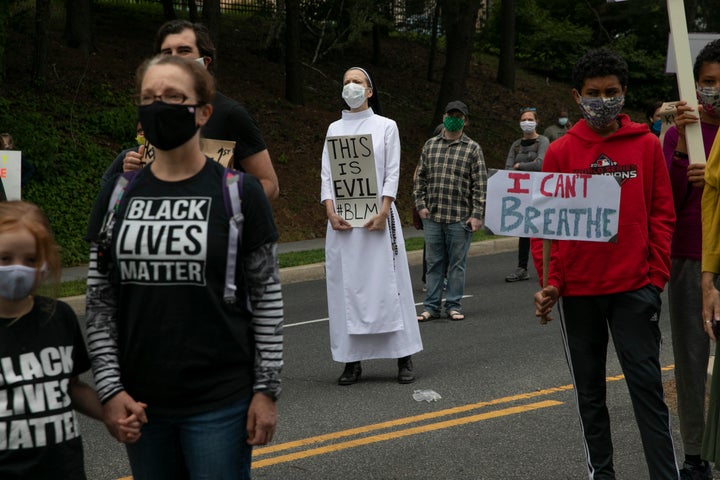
(289, 259)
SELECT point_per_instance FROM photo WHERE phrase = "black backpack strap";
(232, 195)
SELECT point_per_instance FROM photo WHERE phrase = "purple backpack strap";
(232, 195)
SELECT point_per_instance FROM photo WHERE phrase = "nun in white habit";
(370, 299)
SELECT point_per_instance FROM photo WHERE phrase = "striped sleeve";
(102, 337)
(263, 280)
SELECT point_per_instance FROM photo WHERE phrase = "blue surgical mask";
(656, 126)
(562, 121)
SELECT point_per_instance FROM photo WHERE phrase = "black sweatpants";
(632, 318)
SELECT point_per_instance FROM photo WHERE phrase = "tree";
(168, 10)
(381, 19)
(433, 42)
(211, 19)
(42, 21)
(459, 17)
(293, 66)
(506, 67)
(193, 11)
(78, 25)
(4, 29)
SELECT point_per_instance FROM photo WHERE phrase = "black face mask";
(167, 125)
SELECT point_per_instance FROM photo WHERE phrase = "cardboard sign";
(354, 181)
(559, 206)
(668, 110)
(222, 151)
(148, 155)
(10, 170)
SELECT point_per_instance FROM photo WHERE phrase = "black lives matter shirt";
(181, 347)
(39, 354)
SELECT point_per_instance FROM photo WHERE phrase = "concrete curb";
(316, 271)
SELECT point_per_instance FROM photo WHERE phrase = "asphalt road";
(506, 411)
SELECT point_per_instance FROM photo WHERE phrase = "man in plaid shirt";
(450, 198)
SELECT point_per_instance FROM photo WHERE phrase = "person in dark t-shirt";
(230, 121)
(161, 329)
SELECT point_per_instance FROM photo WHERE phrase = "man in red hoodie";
(614, 286)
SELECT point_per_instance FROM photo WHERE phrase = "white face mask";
(562, 121)
(353, 94)
(201, 61)
(528, 126)
(16, 281)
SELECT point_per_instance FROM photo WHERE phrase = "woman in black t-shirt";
(162, 329)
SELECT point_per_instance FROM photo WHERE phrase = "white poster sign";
(10, 170)
(354, 181)
(559, 206)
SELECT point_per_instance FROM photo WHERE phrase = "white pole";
(685, 78)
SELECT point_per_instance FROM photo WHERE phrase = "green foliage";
(336, 24)
(294, 259)
(65, 146)
(647, 70)
(71, 289)
(543, 43)
(551, 36)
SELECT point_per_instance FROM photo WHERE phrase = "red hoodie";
(647, 216)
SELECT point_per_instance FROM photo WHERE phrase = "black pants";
(632, 318)
(523, 252)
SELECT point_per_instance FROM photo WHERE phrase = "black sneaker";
(518, 275)
(696, 472)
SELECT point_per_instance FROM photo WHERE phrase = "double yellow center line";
(259, 462)
(262, 457)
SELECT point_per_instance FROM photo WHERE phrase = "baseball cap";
(457, 105)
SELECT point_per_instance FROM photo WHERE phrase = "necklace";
(21, 312)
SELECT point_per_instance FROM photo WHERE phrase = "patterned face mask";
(709, 98)
(453, 124)
(528, 126)
(599, 112)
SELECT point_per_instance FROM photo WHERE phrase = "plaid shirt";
(451, 180)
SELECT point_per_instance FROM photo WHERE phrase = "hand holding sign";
(545, 300)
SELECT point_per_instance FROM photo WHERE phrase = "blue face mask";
(656, 126)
